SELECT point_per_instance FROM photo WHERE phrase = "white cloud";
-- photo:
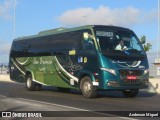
(105, 15)
(5, 9)
(150, 16)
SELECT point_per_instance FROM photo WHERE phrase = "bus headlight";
(109, 70)
(146, 71)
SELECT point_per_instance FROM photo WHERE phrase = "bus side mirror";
(85, 36)
(143, 39)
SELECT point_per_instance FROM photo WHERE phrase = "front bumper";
(124, 84)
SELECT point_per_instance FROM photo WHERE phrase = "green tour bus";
(89, 58)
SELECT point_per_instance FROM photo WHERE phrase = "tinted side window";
(19, 48)
(58, 44)
(37, 46)
(49, 45)
(13, 49)
(74, 40)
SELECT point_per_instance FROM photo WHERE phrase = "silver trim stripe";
(39, 82)
(18, 67)
(22, 63)
(71, 76)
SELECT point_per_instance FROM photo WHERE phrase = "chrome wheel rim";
(28, 82)
(86, 87)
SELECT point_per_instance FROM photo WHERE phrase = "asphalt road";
(15, 97)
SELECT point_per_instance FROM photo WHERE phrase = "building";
(3, 69)
(154, 64)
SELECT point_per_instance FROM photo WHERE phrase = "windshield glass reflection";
(118, 43)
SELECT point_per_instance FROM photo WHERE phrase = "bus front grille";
(130, 72)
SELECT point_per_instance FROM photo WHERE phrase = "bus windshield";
(121, 43)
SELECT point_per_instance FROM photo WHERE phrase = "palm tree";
(147, 47)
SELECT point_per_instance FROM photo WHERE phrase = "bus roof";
(63, 30)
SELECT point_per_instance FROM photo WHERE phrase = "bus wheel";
(130, 93)
(29, 83)
(38, 87)
(87, 87)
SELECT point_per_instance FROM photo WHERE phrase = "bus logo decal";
(80, 59)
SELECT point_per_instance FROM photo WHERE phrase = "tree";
(147, 47)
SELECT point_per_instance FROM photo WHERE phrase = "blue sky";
(33, 16)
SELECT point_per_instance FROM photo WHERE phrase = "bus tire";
(29, 83)
(38, 87)
(87, 87)
(130, 93)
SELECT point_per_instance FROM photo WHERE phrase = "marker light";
(146, 71)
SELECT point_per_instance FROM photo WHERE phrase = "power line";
(84, 19)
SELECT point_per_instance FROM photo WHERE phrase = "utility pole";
(14, 24)
(84, 18)
(158, 38)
